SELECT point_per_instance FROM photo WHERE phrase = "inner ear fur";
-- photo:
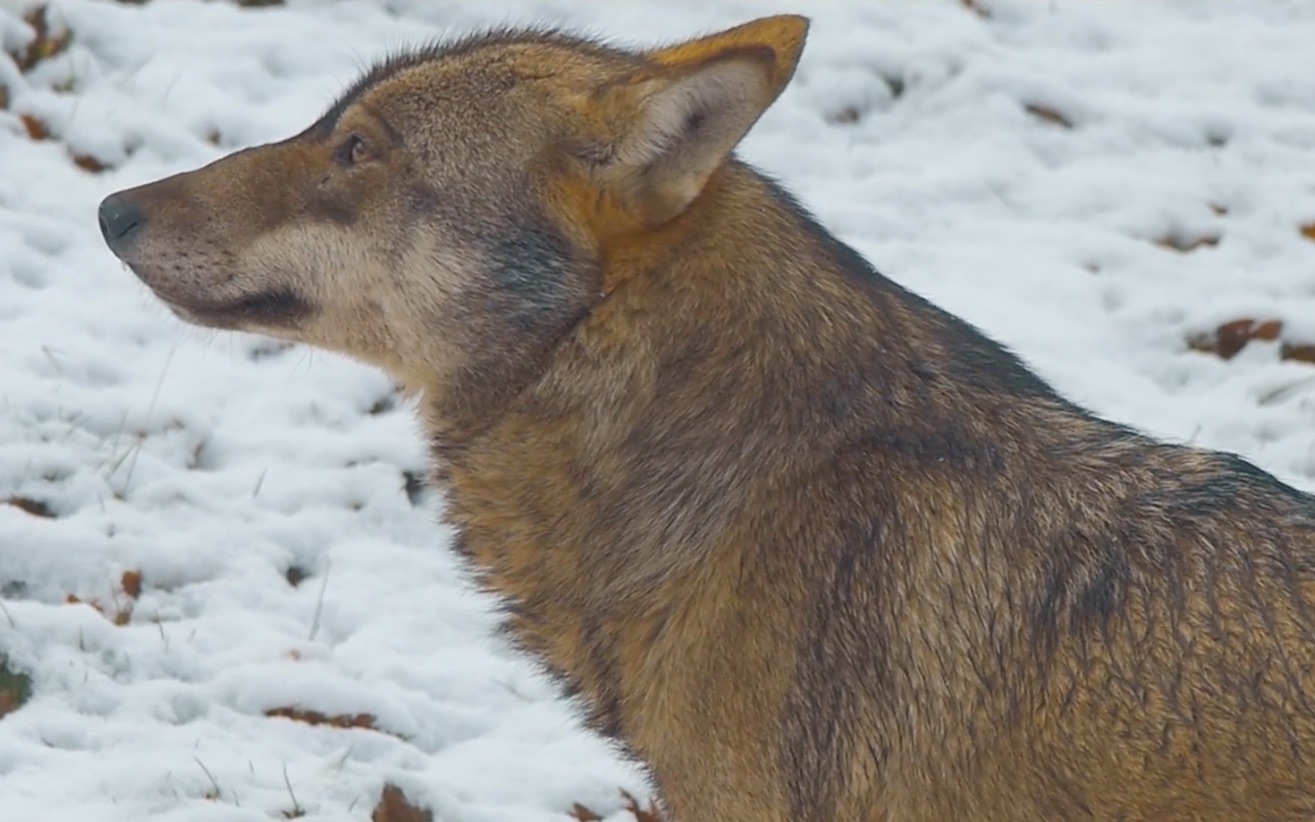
(668, 127)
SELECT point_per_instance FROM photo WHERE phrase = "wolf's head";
(449, 216)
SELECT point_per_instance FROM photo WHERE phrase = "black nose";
(119, 220)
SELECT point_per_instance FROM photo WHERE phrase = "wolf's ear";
(671, 125)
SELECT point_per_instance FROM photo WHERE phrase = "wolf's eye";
(353, 150)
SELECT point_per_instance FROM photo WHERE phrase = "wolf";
(806, 546)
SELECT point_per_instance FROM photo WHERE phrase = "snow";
(214, 463)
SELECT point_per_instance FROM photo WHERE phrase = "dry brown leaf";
(295, 575)
(131, 583)
(35, 507)
(88, 163)
(394, 807)
(1298, 352)
(845, 116)
(583, 814)
(1047, 114)
(1183, 243)
(976, 7)
(649, 814)
(1231, 337)
(344, 721)
(35, 128)
(632, 806)
(317, 718)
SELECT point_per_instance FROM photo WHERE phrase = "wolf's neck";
(726, 362)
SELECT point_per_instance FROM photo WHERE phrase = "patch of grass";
(119, 616)
(13, 589)
(296, 812)
(214, 793)
(120, 610)
(50, 39)
(15, 687)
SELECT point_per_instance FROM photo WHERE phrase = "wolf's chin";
(274, 309)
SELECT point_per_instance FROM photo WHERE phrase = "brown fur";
(810, 547)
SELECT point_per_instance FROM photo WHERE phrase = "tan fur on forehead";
(502, 41)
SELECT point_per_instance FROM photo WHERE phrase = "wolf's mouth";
(277, 308)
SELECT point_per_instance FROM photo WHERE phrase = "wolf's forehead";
(502, 68)
(505, 55)
(482, 85)
(491, 89)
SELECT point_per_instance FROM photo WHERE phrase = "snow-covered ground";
(1024, 169)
